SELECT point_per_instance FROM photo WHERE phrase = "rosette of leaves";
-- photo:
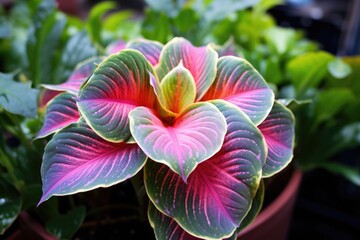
(204, 129)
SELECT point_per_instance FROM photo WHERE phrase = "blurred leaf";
(122, 25)
(10, 205)
(350, 135)
(351, 81)
(94, 24)
(339, 69)
(186, 20)
(250, 27)
(220, 9)
(77, 49)
(43, 41)
(151, 28)
(265, 5)
(307, 71)
(272, 71)
(330, 102)
(5, 28)
(114, 21)
(168, 7)
(349, 172)
(280, 39)
(17, 98)
(64, 226)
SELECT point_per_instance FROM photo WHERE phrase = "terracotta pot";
(273, 222)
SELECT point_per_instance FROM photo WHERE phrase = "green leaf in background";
(280, 39)
(5, 26)
(339, 69)
(330, 102)
(43, 41)
(10, 205)
(272, 71)
(186, 21)
(349, 172)
(217, 9)
(64, 226)
(17, 98)
(151, 29)
(77, 49)
(94, 25)
(352, 80)
(307, 71)
(265, 5)
(122, 25)
(169, 7)
(349, 136)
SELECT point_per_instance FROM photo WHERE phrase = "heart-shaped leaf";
(61, 112)
(178, 89)
(200, 61)
(150, 49)
(77, 160)
(119, 84)
(219, 192)
(278, 130)
(239, 83)
(77, 78)
(167, 228)
(194, 136)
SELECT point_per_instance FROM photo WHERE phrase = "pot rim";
(290, 190)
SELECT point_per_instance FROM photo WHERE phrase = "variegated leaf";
(60, 112)
(77, 160)
(219, 192)
(194, 136)
(120, 84)
(278, 130)
(200, 61)
(239, 83)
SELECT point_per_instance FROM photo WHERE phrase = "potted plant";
(187, 125)
(75, 61)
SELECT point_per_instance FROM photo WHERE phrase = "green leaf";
(339, 69)
(308, 70)
(43, 41)
(10, 205)
(17, 98)
(330, 102)
(151, 29)
(280, 39)
(77, 49)
(169, 7)
(95, 24)
(352, 81)
(64, 226)
(350, 173)
(265, 5)
(220, 8)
